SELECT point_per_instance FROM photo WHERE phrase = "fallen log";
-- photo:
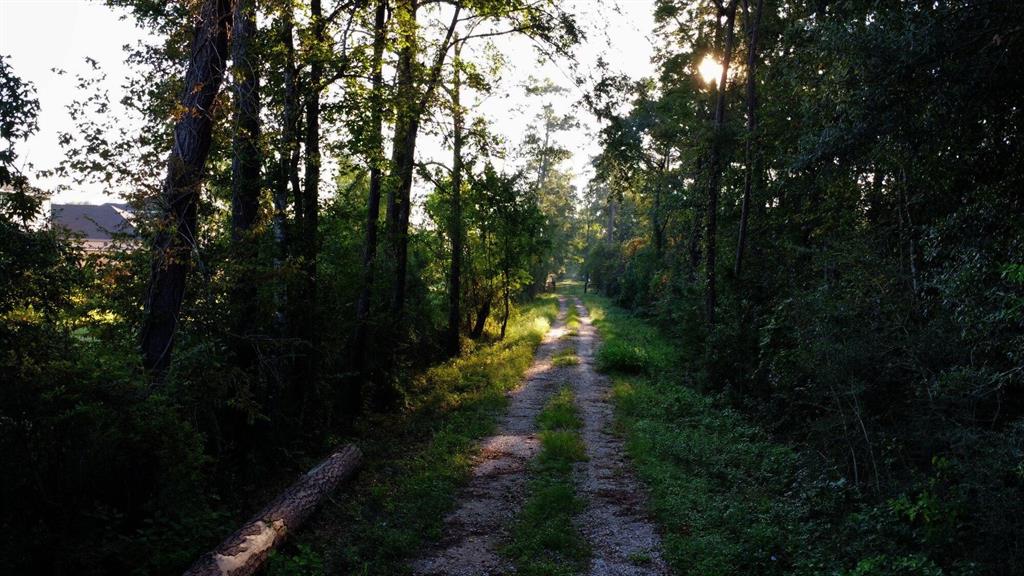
(245, 551)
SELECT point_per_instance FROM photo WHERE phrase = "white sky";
(39, 35)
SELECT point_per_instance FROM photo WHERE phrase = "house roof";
(94, 222)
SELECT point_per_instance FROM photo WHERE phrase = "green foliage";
(623, 357)
(899, 566)
(305, 561)
(544, 540)
(572, 323)
(123, 473)
(629, 346)
(106, 478)
(19, 109)
(503, 235)
(731, 500)
(116, 475)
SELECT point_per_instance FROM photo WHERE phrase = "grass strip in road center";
(544, 540)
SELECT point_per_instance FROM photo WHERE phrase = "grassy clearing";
(544, 540)
(720, 489)
(416, 460)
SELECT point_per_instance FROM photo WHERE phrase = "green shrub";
(619, 356)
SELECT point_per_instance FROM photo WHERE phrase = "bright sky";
(40, 35)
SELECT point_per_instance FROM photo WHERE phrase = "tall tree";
(245, 163)
(751, 165)
(286, 185)
(412, 95)
(454, 277)
(310, 199)
(175, 239)
(715, 169)
(376, 173)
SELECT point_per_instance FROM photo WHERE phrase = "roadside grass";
(544, 540)
(416, 460)
(719, 488)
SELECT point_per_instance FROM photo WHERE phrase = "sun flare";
(710, 70)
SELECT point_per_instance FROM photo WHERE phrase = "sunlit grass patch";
(544, 540)
(565, 357)
(560, 413)
(629, 345)
(560, 449)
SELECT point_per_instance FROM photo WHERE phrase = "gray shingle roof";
(94, 222)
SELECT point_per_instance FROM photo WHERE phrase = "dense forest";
(802, 244)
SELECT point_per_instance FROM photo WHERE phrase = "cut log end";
(247, 549)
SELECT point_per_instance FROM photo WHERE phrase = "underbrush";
(544, 540)
(416, 460)
(732, 500)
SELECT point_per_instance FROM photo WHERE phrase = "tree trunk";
(542, 168)
(403, 150)
(455, 280)
(657, 227)
(693, 246)
(176, 238)
(403, 154)
(508, 303)
(311, 179)
(245, 551)
(610, 223)
(481, 319)
(714, 181)
(245, 163)
(288, 161)
(373, 202)
(245, 173)
(752, 166)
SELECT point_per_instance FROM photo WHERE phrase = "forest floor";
(482, 535)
